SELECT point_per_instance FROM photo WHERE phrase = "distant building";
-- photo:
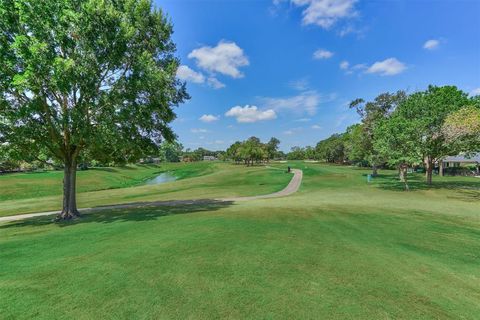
(459, 161)
(186, 159)
(209, 158)
(150, 160)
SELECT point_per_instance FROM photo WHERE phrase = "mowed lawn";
(37, 192)
(340, 248)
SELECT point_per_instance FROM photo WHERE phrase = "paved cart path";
(292, 187)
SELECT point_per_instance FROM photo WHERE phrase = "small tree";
(86, 78)
(170, 151)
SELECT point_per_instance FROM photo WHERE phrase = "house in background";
(458, 162)
(209, 158)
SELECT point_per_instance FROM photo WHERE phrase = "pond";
(161, 178)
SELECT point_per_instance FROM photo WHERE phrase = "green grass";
(339, 249)
(48, 183)
(34, 192)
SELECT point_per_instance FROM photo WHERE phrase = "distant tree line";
(404, 130)
(253, 151)
(199, 153)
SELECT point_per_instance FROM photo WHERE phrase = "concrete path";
(292, 187)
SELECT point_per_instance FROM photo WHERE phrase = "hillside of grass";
(25, 193)
(340, 248)
(48, 183)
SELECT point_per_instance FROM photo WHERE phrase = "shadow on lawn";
(140, 211)
(468, 190)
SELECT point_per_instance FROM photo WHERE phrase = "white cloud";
(344, 65)
(431, 44)
(300, 84)
(360, 66)
(184, 73)
(303, 120)
(322, 54)
(387, 67)
(214, 83)
(215, 142)
(208, 118)
(225, 58)
(194, 130)
(351, 29)
(316, 127)
(325, 13)
(306, 101)
(249, 114)
(475, 92)
(292, 131)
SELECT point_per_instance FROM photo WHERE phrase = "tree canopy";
(92, 79)
(372, 113)
(253, 150)
(402, 130)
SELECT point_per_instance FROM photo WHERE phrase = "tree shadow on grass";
(139, 212)
(106, 169)
(467, 190)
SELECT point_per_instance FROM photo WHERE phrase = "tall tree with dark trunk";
(394, 142)
(272, 147)
(88, 78)
(423, 114)
(372, 113)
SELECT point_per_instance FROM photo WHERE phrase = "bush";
(460, 171)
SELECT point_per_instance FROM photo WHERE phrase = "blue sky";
(288, 68)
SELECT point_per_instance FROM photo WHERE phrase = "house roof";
(462, 158)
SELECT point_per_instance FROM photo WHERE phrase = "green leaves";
(94, 76)
(424, 113)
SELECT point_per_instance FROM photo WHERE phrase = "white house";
(459, 161)
(209, 158)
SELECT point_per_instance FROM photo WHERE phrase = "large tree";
(296, 153)
(86, 78)
(271, 147)
(423, 115)
(462, 127)
(372, 113)
(252, 150)
(356, 144)
(331, 149)
(394, 143)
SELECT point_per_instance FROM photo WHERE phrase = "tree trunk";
(403, 175)
(429, 167)
(440, 168)
(69, 210)
(374, 170)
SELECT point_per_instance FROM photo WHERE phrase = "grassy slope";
(40, 184)
(205, 180)
(337, 249)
